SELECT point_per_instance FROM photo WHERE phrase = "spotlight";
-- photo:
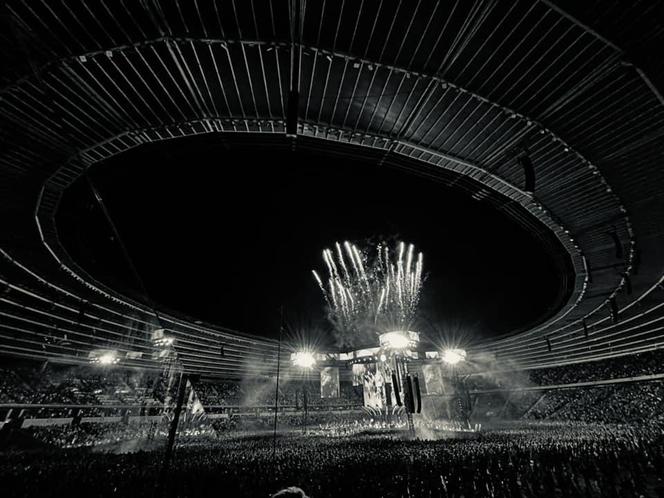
(104, 357)
(107, 359)
(395, 340)
(398, 340)
(453, 356)
(303, 359)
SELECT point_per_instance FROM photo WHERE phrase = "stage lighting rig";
(461, 398)
(104, 357)
(453, 356)
(108, 359)
(399, 340)
(303, 359)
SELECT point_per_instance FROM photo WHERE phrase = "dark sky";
(228, 235)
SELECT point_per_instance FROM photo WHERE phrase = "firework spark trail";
(349, 250)
(341, 260)
(382, 300)
(383, 291)
(320, 284)
(333, 294)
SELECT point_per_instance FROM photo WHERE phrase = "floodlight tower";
(454, 358)
(305, 361)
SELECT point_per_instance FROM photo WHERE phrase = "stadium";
(328, 248)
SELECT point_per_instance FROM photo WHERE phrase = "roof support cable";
(125, 253)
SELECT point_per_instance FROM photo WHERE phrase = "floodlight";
(108, 358)
(453, 356)
(395, 340)
(104, 356)
(303, 359)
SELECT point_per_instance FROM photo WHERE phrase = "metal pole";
(123, 248)
(182, 387)
(407, 395)
(306, 405)
(276, 392)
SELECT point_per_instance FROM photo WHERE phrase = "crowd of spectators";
(96, 434)
(617, 403)
(285, 421)
(114, 388)
(525, 460)
(626, 403)
(261, 392)
(648, 363)
(222, 393)
(72, 385)
(524, 394)
(579, 441)
(99, 387)
(12, 388)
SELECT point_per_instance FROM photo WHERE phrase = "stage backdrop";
(329, 382)
(359, 370)
(433, 379)
(374, 394)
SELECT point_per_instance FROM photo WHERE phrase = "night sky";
(229, 234)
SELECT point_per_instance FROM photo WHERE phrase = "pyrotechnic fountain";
(366, 293)
(374, 298)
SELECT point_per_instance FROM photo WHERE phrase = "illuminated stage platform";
(398, 379)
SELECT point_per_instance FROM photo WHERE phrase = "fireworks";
(376, 291)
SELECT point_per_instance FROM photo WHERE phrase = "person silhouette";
(290, 492)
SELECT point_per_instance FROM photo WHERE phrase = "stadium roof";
(465, 88)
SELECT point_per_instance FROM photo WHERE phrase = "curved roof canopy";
(527, 102)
